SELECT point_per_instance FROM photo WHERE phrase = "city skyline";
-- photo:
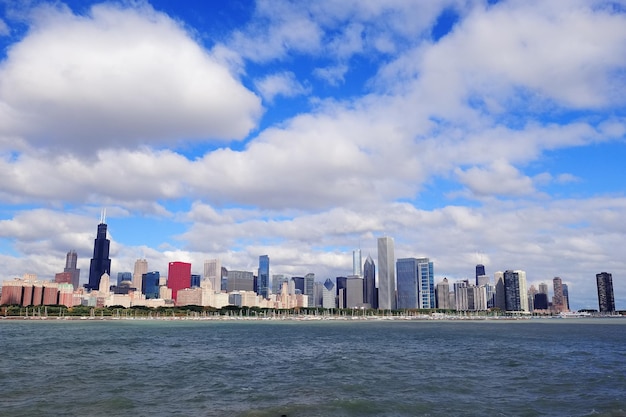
(472, 132)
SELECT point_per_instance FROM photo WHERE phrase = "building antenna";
(103, 216)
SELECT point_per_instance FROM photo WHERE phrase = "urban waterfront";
(555, 367)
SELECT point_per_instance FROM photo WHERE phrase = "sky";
(471, 132)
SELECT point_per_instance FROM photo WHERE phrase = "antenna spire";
(103, 216)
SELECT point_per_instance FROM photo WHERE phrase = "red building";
(178, 277)
(63, 278)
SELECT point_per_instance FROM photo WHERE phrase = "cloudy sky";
(469, 131)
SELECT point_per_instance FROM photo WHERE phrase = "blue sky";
(467, 130)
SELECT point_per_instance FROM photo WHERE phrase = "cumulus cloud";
(4, 29)
(117, 77)
(283, 84)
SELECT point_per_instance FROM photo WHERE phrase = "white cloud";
(4, 29)
(283, 84)
(117, 77)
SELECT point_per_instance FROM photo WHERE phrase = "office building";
(150, 284)
(356, 263)
(124, 276)
(369, 283)
(408, 283)
(141, 267)
(427, 283)
(309, 282)
(100, 263)
(342, 284)
(354, 291)
(71, 259)
(442, 294)
(263, 278)
(386, 274)
(195, 280)
(606, 299)
(329, 297)
(178, 277)
(213, 272)
(240, 281)
(480, 271)
(499, 299)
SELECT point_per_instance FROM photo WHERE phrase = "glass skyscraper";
(369, 283)
(408, 283)
(263, 280)
(100, 263)
(386, 274)
(150, 284)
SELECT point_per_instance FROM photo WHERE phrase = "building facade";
(606, 298)
(386, 274)
(100, 263)
(263, 280)
(178, 277)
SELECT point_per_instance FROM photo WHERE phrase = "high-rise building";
(354, 291)
(427, 283)
(141, 267)
(195, 280)
(240, 281)
(178, 277)
(386, 274)
(100, 263)
(150, 284)
(369, 283)
(408, 283)
(499, 298)
(309, 282)
(124, 276)
(442, 293)
(277, 282)
(356, 263)
(71, 259)
(515, 293)
(263, 280)
(329, 296)
(480, 270)
(342, 285)
(606, 299)
(566, 296)
(213, 272)
(558, 300)
(543, 288)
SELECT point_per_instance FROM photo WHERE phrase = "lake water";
(313, 368)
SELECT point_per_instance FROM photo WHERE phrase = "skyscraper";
(499, 301)
(515, 293)
(178, 277)
(606, 300)
(369, 283)
(558, 300)
(141, 267)
(480, 271)
(386, 274)
(329, 297)
(408, 283)
(100, 263)
(71, 260)
(150, 284)
(263, 281)
(427, 283)
(356, 263)
(443, 294)
(213, 272)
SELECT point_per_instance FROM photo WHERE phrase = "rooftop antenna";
(103, 216)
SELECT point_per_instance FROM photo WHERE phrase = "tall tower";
(408, 283)
(178, 277)
(558, 300)
(369, 283)
(263, 282)
(356, 263)
(100, 263)
(213, 272)
(386, 274)
(480, 271)
(141, 267)
(70, 266)
(606, 299)
(443, 294)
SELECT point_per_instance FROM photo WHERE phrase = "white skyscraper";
(386, 274)
(213, 272)
(357, 265)
(141, 267)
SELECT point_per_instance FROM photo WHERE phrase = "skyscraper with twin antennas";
(100, 263)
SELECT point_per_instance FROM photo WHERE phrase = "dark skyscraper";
(263, 282)
(369, 284)
(70, 266)
(480, 271)
(100, 263)
(150, 284)
(606, 300)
